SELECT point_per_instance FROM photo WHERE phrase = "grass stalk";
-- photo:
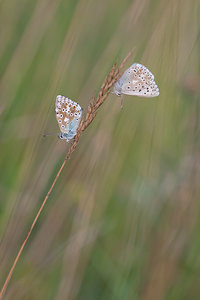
(109, 81)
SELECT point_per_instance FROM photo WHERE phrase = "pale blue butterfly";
(137, 80)
(68, 115)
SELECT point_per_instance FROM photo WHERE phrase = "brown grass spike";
(109, 81)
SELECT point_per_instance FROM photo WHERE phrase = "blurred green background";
(123, 219)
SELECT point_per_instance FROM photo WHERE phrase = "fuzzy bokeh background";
(123, 220)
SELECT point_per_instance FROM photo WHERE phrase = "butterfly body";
(137, 80)
(68, 115)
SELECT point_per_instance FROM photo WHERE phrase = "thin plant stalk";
(109, 81)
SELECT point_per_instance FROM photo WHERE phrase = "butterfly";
(137, 80)
(68, 115)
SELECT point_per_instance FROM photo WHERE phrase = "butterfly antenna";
(49, 134)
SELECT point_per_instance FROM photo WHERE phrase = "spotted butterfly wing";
(137, 80)
(68, 115)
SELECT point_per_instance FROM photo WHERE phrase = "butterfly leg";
(122, 101)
